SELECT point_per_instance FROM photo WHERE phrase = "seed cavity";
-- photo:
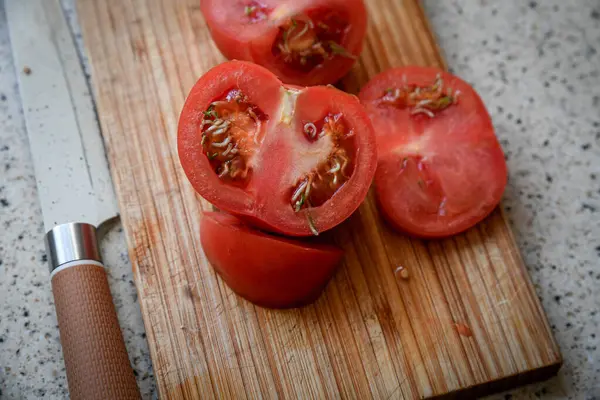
(227, 126)
(425, 100)
(304, 44)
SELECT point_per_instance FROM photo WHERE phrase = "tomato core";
(306, 40)
(231, 133)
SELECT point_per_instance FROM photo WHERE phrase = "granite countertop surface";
(537, 66)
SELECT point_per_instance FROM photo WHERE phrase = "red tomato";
(304, 42)
(441, 169)
(271, 271)
(295, 161)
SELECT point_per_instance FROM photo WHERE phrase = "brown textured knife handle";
(95, 356)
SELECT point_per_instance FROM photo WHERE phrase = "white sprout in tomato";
(310, 129)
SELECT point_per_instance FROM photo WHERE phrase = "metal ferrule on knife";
(72, 241)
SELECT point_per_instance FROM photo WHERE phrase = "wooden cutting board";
(466, 321)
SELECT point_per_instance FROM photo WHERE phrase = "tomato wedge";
(270, 271)
(441, 169)
(291, 160)
(304, 42)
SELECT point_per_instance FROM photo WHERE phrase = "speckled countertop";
(537, 66)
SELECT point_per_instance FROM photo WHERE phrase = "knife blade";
(76, 196)
(70, 163)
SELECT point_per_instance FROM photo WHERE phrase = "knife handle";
(94, 351)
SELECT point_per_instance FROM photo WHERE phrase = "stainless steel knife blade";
(70, 163)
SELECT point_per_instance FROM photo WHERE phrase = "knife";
(76, 197)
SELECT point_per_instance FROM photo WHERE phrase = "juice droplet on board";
(463, 329)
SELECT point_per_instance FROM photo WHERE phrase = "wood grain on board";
(462, 319)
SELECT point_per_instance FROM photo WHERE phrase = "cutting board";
(462, 320)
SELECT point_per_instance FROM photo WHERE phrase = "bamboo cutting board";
(465, 321)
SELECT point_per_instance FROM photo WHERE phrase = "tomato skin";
(264, 203)
(239, 38)
(270, 271)
(436, 176)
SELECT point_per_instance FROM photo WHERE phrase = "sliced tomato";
(271, 271)
(441, 169)
(304, 42)
(291, 160)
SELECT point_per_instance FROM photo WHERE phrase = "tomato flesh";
(296, 161)
(440, 168)
(304, 42)
(270, 271)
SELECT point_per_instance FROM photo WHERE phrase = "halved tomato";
(441, 169)
(291, 160)
(270, 271)
(304, 42)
